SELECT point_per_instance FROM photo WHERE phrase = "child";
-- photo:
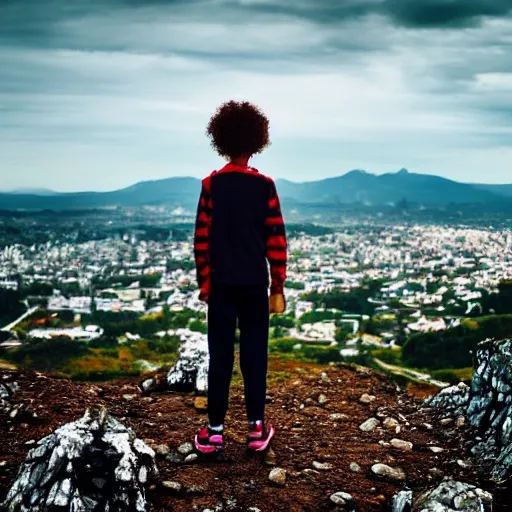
(239, 228)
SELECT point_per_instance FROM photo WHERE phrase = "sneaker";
(209, 441)
(260, 436)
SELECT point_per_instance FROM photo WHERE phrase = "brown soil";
(303, 436)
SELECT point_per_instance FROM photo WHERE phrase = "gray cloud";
(128, 85)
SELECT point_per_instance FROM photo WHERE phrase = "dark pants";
(248, 305)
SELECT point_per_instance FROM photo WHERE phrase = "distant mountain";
(502, 190)
(177, 191)
(363, 187)
(356, 186)
(33, 191)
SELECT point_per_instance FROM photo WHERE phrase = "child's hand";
(277, 303)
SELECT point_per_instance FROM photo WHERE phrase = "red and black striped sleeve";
(276, 246)
(202, 240)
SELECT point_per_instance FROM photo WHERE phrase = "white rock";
(338, 416)
(355, 468)
(173, 486)
(341, 498)
(367, 399)
(191, 458)
(389, 473)
(399, 444)
(436, 449)
(185, 448)
(325, 466)
(369, 425)
(278, 476)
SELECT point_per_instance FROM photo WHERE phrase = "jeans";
(249, 305)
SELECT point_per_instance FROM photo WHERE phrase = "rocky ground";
(318, 413)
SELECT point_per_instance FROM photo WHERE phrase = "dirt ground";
(305, 433)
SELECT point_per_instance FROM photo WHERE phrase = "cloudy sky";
(99, 94)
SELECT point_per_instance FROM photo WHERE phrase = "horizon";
(38, 191)
(101, 95)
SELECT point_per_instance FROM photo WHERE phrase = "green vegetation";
(319, 353)
(99, 360)
(452, 348)
(354, 301)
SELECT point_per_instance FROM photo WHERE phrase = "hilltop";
(317, 411)
(354, 187)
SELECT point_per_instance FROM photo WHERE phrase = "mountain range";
(354, 187)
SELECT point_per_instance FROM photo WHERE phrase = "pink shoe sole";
(206, 449)
(262, 445)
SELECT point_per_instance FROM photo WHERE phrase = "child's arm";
(202, 241)
(276, 246)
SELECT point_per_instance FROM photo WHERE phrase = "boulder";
(190, 373)
(90, 465)
(8, 387)
(451, 496)
(487, 405)
(490, 407)
(453, 400)
(402, 502)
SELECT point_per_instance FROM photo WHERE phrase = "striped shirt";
(239, 231)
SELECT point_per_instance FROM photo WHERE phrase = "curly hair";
(238, 128)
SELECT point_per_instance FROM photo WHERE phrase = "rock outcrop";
(190, 373)
(487, 405)
(490, 407)
(454, 400)
(449, 496)
(8, 387)
(90, 465)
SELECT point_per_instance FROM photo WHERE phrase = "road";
(411, 374)
(27, 313)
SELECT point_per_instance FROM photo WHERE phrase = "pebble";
(278, 476)
(390, 423)
(464, 463)
(461, 421)
(325, 466)
(428, 426)
(201, 404)
(367, 399)
(129, 398)
(3, 463)
(436, 449)
(191, 458)
(338, 416)
(369, 425)
(195, 489)
(162, 450)
(185, 448)
(322, 399)
(399, 444)
(354, 467)
(341, 498)
(389, 473)
(174, 458)
(173, 486)
(446, 421)
(32, 441)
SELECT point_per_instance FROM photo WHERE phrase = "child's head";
(238, 129)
